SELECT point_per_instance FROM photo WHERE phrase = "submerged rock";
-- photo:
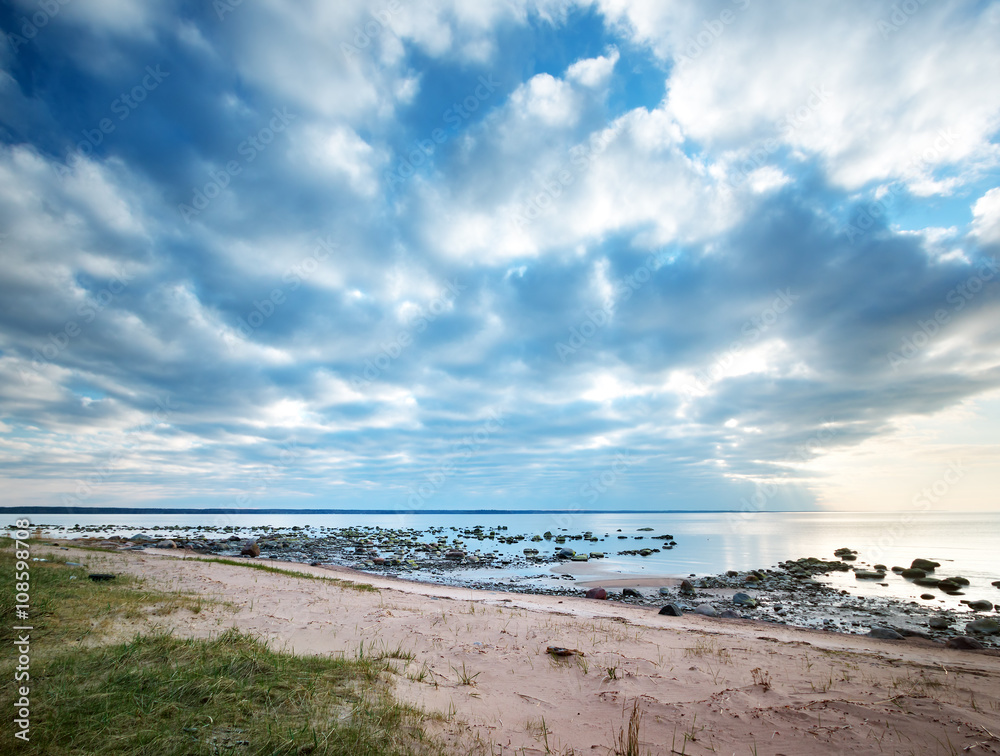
(924, 564)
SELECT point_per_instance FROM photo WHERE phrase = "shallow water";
(966, 544)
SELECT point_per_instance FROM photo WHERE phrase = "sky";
(510, 254)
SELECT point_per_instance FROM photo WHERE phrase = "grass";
(157, 693)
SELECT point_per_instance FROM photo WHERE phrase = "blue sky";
(505, 254)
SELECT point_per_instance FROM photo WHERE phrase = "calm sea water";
(966, 544)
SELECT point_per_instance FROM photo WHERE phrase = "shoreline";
(730, 685)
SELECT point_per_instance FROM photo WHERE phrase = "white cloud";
(986, 217)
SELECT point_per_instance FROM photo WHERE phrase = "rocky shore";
(798, 592)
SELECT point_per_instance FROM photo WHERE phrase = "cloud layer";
(426, 255)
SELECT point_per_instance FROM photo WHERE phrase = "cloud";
(337, 250)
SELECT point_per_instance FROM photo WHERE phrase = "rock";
(729, 614)
(897, 569)
(706, 610)
(868, 575)
(885, 633)
(880, 568)
(983, 626)
(924, 564)
(927, 582)
(664, 591)
(948, 587)
(631, 593)
(166, 544)
(926, 596)
(958, 579)
(565, 553)
(250, 548)
(742, 599)
(456, 555)
(687, 588)
(597, 593)
(645, 552)
(981, 606)
(939, 623)
(913, 573)
(995, 583)
(963, 642)
(141, 538)
(579, 558)
(671, 610)
(732, 573)
(597, 555)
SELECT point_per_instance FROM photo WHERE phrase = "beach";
(691, 684)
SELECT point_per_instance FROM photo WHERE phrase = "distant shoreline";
(243, 511)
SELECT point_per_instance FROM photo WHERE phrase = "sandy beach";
(701, 685)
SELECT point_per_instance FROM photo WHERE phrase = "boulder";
(597, 593)
(939, 623)
(981, 606)
(687, 588)
(671, 610)
(597, 555)
(732, 573)
(958, 579)
(565, 553)
(166, 544)
(742, 599)
(948, 587)
(913, 573)
(983, 626)
(924, 564)
(728, 614)
(706, 610)
(631, 593)
(868, 575)
(885, 633)
(250, 548)
(963, 642)
(927, 582)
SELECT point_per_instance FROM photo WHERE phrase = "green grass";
(362, 587)
(161, 694)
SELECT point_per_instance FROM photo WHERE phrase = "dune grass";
(160, 694)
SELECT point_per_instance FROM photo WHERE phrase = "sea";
(708, 543)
